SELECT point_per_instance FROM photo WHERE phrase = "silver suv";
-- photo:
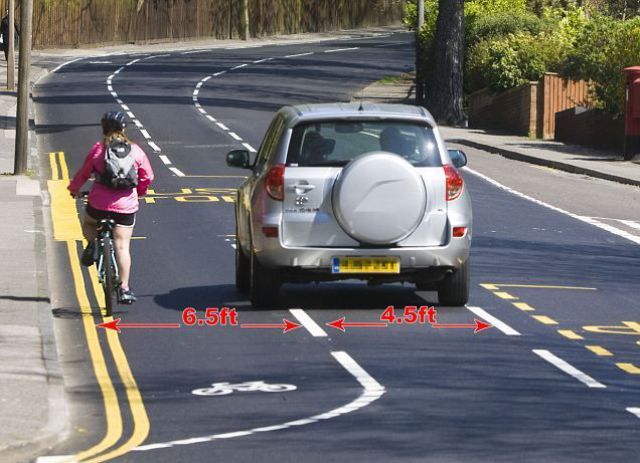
(341, 191)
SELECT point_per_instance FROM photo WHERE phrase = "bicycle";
(108, 273)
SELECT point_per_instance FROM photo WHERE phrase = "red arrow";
(117, 326)
(285, 326)
(477, 326)
(340, 324)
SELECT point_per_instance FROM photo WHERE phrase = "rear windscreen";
(335, 143)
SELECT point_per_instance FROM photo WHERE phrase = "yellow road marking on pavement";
(53, 161)
(490, 287)
(545, 320)
(578, 288)
(140, 419)
(629, 368)
(523, 306)
(632, 328)
(110, 399)
(569, 334)
(64, 170)
(503, 295)
(65, 213)
(599, 350)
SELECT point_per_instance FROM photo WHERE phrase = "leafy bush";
(602, 51)
(502, 24)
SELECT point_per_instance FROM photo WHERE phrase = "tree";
(445, 86)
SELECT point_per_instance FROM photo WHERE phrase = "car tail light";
(274, 182)
(459, 232)
(454, 182)
(270, 232)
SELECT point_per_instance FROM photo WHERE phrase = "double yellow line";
(66, 228)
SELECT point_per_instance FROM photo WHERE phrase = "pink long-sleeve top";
(102, 197)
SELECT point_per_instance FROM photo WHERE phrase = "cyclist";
(107, 202)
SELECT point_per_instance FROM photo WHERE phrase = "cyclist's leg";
(122, 238)
(89, 225)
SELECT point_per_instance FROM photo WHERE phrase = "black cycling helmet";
(113, 121)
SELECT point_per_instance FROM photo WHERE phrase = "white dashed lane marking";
(486, 316)
(568, 368)
(311, 326)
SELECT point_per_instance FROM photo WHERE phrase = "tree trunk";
(445, 91)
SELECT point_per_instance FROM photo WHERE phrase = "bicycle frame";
(105, 234)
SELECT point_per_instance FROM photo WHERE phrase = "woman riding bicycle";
(114, 194)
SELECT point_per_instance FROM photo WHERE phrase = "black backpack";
(120, 171)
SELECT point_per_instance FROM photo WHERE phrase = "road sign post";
(11, 60)
(419, 56)
(24, 67)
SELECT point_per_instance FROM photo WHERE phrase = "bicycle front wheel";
(109, 284)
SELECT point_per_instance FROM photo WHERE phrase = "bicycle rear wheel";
(109, 283)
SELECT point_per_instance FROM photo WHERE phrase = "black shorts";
(122, 220)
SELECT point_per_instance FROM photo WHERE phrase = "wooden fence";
(530, 109)
(74, 23)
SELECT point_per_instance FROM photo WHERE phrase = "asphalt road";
(560, 284)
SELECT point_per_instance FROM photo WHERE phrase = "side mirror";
(458, 158)
(239, 158)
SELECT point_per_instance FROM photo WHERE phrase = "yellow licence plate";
(365, 265)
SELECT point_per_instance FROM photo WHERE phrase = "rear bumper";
(273, 254)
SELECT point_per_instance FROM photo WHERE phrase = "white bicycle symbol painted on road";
(249, 386)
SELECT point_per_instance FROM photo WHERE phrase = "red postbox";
(632, 113)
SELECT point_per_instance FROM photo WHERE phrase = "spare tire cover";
(379, 198)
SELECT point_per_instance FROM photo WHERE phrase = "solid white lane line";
(154, 147)
(263, 60)
(630, 224)
(206, 79)
(298, 55)
(568, 368)
(240, 66)
(589, 220)
(219, 73)
(367, 381)
(131, 63)
(249, 147)
(634, 410)
(176, 171)
(372, 392)
(165, 160)
(235, 136)
(312, 327)
(486, 316)
(341, 49)
(145, 134)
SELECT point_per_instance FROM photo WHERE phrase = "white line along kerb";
(589, 220)
(372, 392)
(568, 368)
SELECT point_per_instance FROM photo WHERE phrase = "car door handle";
(304, 187)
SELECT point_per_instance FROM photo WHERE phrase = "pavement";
(31, 390)
(570, 158)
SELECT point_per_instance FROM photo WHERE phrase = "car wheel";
(265, 284)
(243, 270)
(454, 289)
